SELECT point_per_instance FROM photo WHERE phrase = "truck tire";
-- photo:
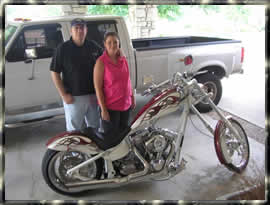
(212, 84)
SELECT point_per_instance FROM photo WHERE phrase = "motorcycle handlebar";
(155, 87)
(183, 78)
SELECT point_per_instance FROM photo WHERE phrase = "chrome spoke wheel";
(55, 166)
(69, 160)
(233, 150)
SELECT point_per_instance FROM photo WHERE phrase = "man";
(72, 73)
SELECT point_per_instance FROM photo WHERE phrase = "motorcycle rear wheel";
(56, 163)
(232, 151)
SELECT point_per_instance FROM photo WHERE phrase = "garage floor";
(203, 179)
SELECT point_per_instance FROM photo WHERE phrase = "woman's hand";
(105, 115)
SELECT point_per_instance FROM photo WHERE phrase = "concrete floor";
(203, 179)
(245, 94)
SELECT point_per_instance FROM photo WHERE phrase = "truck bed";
(171, 42)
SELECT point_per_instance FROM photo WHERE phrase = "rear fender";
(72, 140)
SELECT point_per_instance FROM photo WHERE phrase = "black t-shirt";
(76, 63)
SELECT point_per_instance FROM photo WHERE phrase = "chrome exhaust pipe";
(109, 183)
(161, 175)
(116, 182)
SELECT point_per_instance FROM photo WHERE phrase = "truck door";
(28, 82)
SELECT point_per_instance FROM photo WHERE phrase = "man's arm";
(68, 99)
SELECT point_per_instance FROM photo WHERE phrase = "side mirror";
(30, 53)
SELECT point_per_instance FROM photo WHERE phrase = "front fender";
(220, 155)
(72, 140)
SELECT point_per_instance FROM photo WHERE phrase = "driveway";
(203, 179)
(244, 94)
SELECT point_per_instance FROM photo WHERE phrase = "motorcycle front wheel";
(55, 165)
(232, 151)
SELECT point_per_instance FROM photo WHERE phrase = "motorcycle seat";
(105, 140)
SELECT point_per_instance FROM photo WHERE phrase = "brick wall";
(141, 17)
(74, 9)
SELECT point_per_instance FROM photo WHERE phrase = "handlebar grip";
(163, 83)
(146, 92)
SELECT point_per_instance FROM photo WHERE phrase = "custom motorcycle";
(83, 160)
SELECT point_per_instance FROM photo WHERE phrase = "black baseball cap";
(78, 21)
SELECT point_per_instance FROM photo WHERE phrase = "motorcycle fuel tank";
(161, 104)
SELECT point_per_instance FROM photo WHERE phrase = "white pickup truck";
(30, 94)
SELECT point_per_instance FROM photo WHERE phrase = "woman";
(113, 86)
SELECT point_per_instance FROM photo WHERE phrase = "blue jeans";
(83, 109)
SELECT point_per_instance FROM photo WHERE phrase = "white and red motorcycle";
(81, 160)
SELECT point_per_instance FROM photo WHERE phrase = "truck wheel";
(212, 84)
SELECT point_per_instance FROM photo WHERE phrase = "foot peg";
(178, 168)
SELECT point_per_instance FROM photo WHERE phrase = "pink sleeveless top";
(116, 83)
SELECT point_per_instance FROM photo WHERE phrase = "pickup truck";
(30, 94)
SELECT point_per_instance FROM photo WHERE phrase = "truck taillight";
(188, 60)
(22, 19)
(242, 54)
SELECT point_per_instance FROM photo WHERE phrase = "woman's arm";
(133, 100)
(98, 83)
(133, 105)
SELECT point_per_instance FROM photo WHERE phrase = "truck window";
(16, 52)
(44, 38)
(96, 30)
(35, 38)
(9, 31)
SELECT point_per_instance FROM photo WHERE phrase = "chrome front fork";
(183, 121)
(214, 107)
(181, 131)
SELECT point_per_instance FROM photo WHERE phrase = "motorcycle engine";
(128, 165)
(155, 146)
